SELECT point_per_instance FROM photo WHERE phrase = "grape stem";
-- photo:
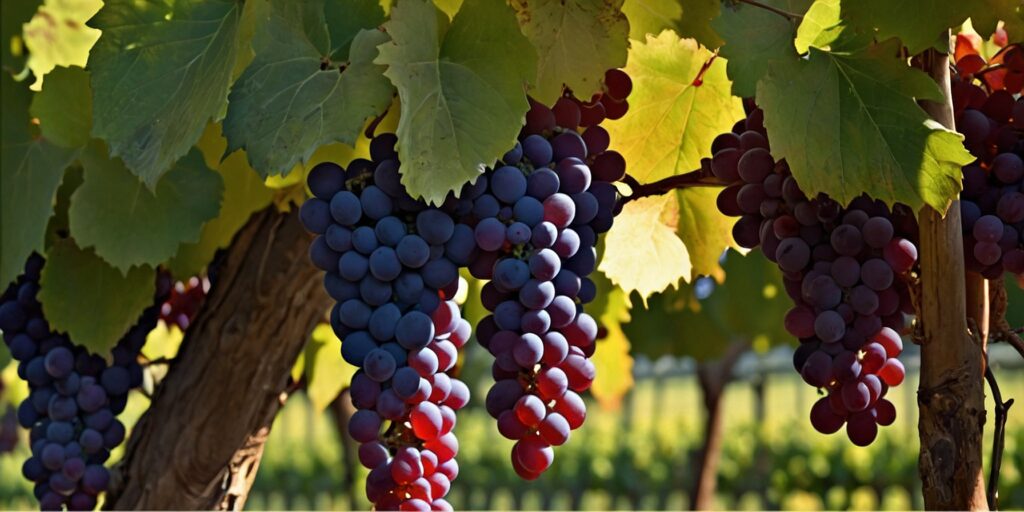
(789, 15)
(999, 328)
(998, 438)
(697, 178)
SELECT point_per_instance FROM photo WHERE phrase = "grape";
(829, 326)
(877, 274)
(755, 165)
(823, 419)
(346, 208)
(559, 210)
(988, 228)
(617, 84)
(537, 150)
(792, 255)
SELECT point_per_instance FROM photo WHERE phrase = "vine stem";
(698, 178)
(998, 438)
(789, 15)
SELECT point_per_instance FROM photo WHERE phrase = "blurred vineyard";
(641, 456)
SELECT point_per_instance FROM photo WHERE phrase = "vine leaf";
(645, 231)
(820, 27)
(127, 223)
(158, 74)
(704, 229)
(309, 84)
(986, 16)
(58, 36)
(32, 172)
(688, 18)
(576, 42)
(753, 37)
(672, 121)
(64, 107)
(244, 194)
(326, 373)
(918, 24)
(462, 88)
(848, 124)
(88, 299)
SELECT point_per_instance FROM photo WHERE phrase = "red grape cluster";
(74, 396)
(185, 300)
(846, 269)
(992, 201)
(535, 218)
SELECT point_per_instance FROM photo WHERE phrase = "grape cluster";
(391, 265)
(184, 302)
(8, 426)
(846, 269)
(74, 396)
(535, 218)
(992, 201)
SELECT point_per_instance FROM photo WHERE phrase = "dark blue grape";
(113, 435)
(518, 233)
(315, 215)
(390, 230)
(511, 274)
(355, 313)
(387, 177)
(408, 288)
(508, 315)
(414, 330)
(22, 347)
(322, 256)
(435, 226)
(514, 155)
(537, 150)
(461, 247)
(374, 292)
(413, 251)
(338, 238)
(379, 365)
(364, 239)
(91, 441)
(353, 266)
(95, 479)
(537, 294)
(356, 346)
(375, 203)
(62, 408)
(384, 264)
(383, 321)
(345, 208)
(568, 144)
(60, 432)
(439, 273)
(12, 318)
(339, 288)
(508, 184)
(405, 382)
(486, 206)
(490, 234)
(115, 380)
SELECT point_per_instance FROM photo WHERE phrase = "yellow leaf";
(642, 252)
(57, 36)
(15, 388)
(612, 358)
(163, 341)
(326, 372)
(671, 121)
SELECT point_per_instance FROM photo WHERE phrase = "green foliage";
(12, 16)
(919, 24)
(159, 73)
(90, 300)
(820, 27)
(753, 36)
(305, 87)
(58, 36)
(64, 107)
(461, 86)
(143, 227)
(32, 171)
(688, 18)
(747, 307)
(326, 373)
(863, 132)
(576, 42)
(244, 194)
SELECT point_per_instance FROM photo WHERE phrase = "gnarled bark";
(951, 393)
(199, 444)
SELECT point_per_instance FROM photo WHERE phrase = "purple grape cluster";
(992, 201)
(391, 264)
(74, 396)
(847, 270)
(535, 218)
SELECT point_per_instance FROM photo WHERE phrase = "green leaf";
(645, 231)
(671, 121)
(346, 19)
(158, 75)
(244, 194)
(294, 97)
(90, 300)
(57, 36)
(753, 36)
(704, 229)
(986, 16)
(919, 24)
(326, 372)
(129, 225)
(13, 16)
(462, 90)
(64, 107)
(689, 18)
(862, 132)
(32, 172)
(576, 42)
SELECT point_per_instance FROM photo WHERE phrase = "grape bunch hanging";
(992, 201)
(74, 395)
(847, 269)
(529, 225)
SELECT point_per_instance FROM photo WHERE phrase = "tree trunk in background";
(950, 396)
(713, 377)
(199, 444)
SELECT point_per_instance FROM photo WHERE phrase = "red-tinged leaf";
(994, 79)
(966, 44)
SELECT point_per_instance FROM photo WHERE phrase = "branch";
(785, 14)
(1000, 329)
(697, 178)
(998, 438)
